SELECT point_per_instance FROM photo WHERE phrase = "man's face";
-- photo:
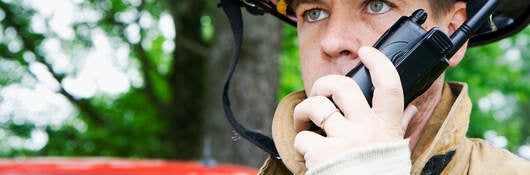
(331, 31)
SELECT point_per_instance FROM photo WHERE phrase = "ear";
(456, 17)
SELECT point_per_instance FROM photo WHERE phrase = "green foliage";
(12, 72)
(133, 123)
(290, 75)
(207, 27)
(131, 132)
(499, 86)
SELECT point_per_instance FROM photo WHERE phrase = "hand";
(357, 125)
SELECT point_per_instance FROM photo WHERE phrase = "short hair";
(440, 7)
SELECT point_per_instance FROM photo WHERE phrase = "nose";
(338, 40)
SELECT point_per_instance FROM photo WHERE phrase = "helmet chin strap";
(233, 12)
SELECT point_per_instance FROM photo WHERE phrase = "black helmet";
(510, 17)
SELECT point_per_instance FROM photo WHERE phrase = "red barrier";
(115, 166)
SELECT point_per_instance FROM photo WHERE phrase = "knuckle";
(318, 82)
(320, 99)
(297, 140)
(298, 109)
(308, 102)
(332, 85)
(309, 157)
(394, 90)
(338, 81)
(300, 140)
(326, 80)
(314, 102)
(302, 109)
(344, 81)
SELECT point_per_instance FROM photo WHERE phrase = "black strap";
(233, 12)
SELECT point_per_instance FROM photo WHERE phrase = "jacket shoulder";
(487, 159)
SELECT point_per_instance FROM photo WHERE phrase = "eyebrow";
(295, 3)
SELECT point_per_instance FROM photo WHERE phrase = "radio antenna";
(464, 32)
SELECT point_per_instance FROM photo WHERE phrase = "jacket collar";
(447, 127)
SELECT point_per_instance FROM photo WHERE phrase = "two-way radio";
(419, 56)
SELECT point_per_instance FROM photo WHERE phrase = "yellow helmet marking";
(281, 7)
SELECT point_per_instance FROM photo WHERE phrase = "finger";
(345, 93)
(388, 93)
(320, 111)
(312, 110)
(335, 125)
(307, 141)
(408, 114)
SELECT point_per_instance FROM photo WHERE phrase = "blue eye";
(378, 7)
(316, 14)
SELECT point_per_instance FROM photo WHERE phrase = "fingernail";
(363, 50)
(413, 109)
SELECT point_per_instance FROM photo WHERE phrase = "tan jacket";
(442, 148)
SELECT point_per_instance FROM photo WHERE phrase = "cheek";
(373, 28)
(308, 63)
(311, 63)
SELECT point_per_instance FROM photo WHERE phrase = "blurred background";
(143, 79)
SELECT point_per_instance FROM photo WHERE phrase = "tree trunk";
(188, 79)
(253, 90)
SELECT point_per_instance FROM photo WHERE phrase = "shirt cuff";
(387, 158)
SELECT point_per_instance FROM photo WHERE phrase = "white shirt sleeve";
(388, 158)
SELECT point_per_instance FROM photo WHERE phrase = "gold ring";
(323, 121)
